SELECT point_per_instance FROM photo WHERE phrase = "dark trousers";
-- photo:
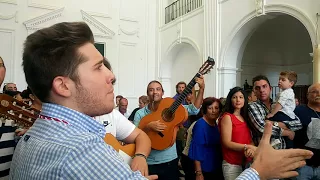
(281, 117)
(165, 171)
(217, 175)
(188, 167)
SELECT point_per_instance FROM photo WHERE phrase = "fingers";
(289, 153)
(288, 174)
(267, 133)
(152, 177)
(294, 164)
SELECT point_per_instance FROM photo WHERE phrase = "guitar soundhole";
(167, 115)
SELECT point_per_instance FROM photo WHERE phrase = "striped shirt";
(7, 144)
(249, 174)
(66, 144)
(257, 113)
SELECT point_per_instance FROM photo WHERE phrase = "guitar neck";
(184, 93)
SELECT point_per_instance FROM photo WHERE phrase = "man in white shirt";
(123, 107)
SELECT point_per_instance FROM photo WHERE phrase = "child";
(285, 104)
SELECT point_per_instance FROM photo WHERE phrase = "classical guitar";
(125, 151)
(171, 113)
(22, 113)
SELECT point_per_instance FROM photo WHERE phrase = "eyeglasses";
(314, 92)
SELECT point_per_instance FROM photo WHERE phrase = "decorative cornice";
(33, 24)
(9, 1)
(41, 6)
(128, 32)
(7, 17)
(107, 33)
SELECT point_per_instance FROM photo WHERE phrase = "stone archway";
(229, 68)
(180, 63)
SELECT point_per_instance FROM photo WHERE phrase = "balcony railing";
(180, 8)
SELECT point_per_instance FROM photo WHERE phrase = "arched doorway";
(240, 51)
(181, 63)
(279, 44)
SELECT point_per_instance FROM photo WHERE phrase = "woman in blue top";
(205, 148)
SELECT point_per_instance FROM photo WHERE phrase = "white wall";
(185, 61)
(128, 28)
(185, 65)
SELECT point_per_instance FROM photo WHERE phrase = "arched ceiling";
(280, 41)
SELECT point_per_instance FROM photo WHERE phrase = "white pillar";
(211, 42)
(227, 80)
(316, 64)
(166, 85)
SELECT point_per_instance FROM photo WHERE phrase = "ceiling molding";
(106, 32)
(33, 24)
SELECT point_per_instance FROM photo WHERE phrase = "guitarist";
(164, 163)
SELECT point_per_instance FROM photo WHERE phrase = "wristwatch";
(276, 124)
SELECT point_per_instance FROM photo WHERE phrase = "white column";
(316, 64)
(227, 80)
(211, 42)
(166, 85)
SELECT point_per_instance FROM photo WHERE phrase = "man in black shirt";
(307, 137)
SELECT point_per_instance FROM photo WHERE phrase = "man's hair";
(154, 81)
(291, 75)
(144, 99)
(259, 78)
(119, 96)
(52, 52)
(249, 92)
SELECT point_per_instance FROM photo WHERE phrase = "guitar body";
(129, 149)
(125, 151)
(163, 140)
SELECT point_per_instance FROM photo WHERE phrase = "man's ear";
(62, 86)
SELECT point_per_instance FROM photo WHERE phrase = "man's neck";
(315, 107)
(267, 103)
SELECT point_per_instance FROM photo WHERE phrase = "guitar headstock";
(17, 110)
(207, 66)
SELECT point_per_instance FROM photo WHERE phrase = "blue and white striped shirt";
(249, 174)
(72, 149)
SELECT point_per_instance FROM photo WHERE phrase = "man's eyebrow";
(98, 63)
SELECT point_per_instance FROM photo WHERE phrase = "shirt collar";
(74, 118)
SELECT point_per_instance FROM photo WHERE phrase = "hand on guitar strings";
(157, 126)
(200, 82)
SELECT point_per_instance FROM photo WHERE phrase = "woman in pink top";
(235, 134)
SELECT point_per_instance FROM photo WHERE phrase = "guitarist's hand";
(140, 164)
(200, 82)
(157, 126)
